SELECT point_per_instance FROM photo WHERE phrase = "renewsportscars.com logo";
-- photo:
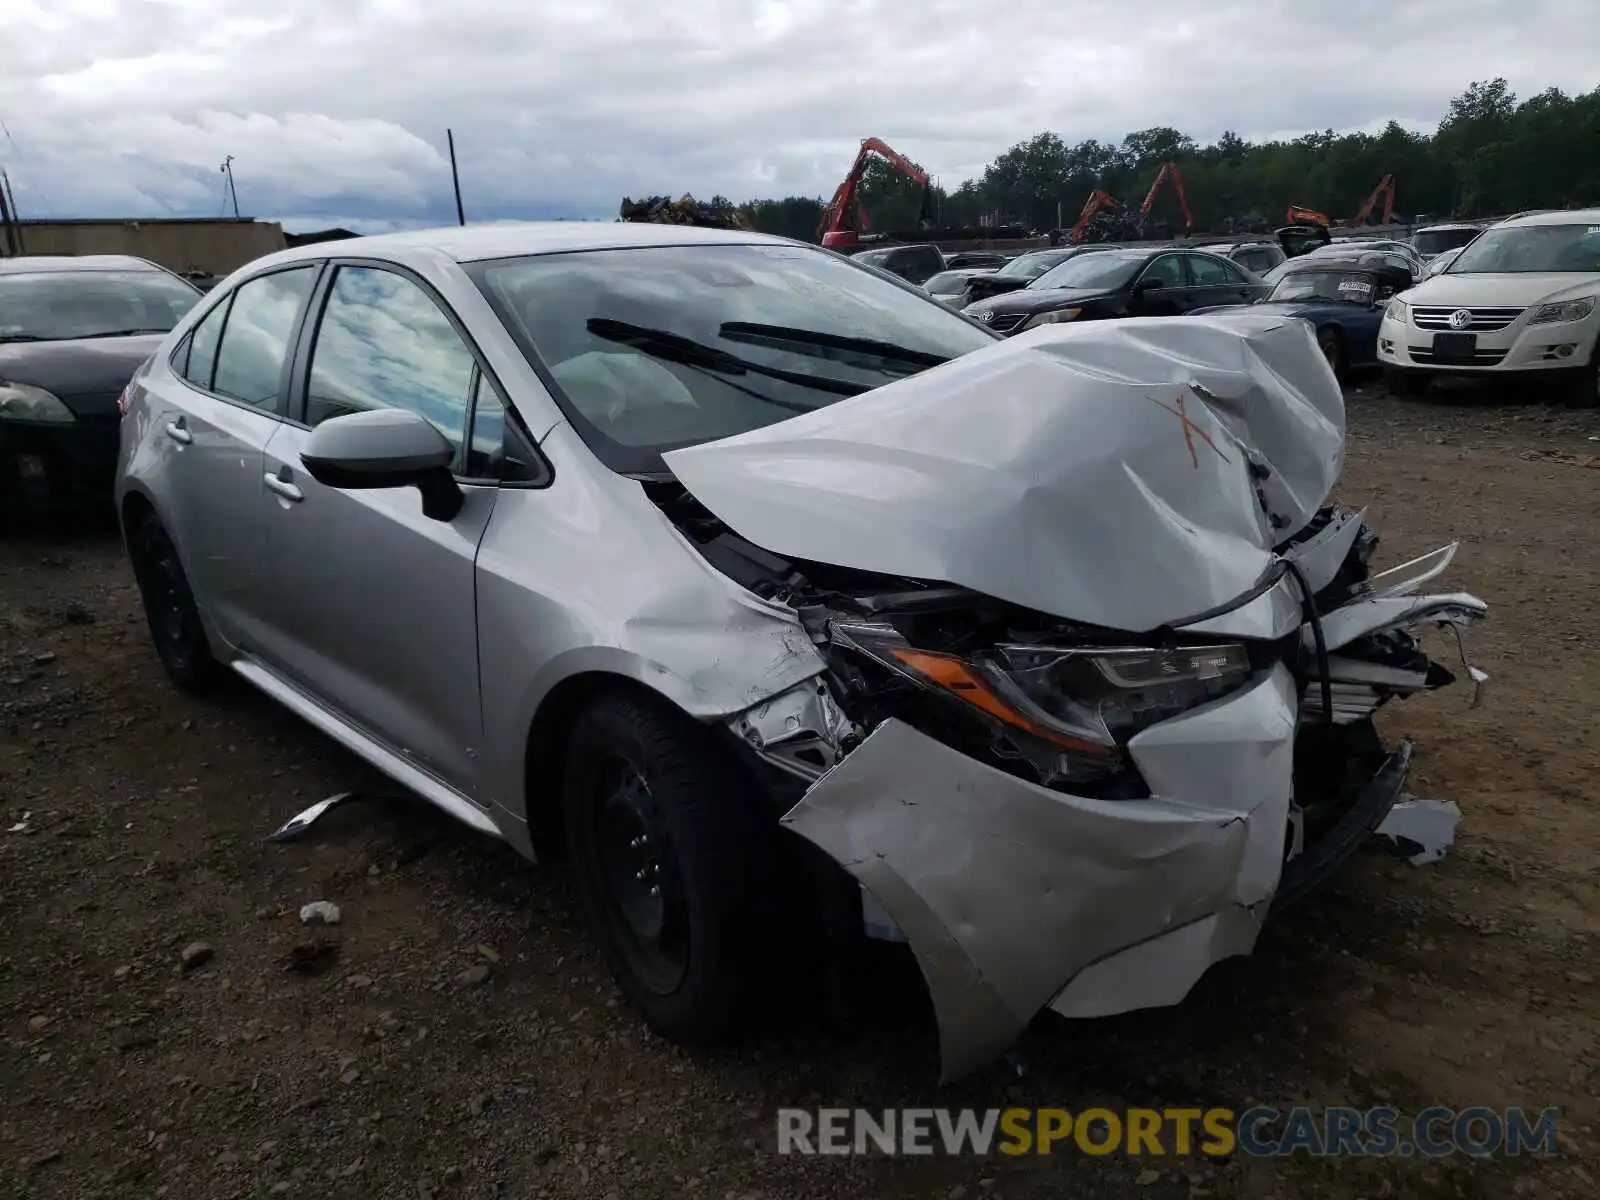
(1259, 1132)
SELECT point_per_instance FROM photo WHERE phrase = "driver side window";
(382, 342)
(1168, 269)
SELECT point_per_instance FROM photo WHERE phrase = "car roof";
(42, 264)
(1446, 227)
(1561, 216)
(514, 239)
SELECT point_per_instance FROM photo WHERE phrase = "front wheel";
(1332, 347)
(1582, 389)
(169, 608)
(1404, 383)
(672, 853)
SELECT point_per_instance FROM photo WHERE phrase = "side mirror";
(1147, 285)
(385, 448)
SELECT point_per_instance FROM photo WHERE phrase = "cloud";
(336, 113)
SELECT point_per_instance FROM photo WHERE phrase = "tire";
(169, 608)
(1331, 343)
(1582, 390)
(1405, 383)
(687, 953)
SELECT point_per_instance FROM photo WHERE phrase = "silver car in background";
(789, 605)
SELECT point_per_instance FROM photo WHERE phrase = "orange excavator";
(1384, 189)
(1169, 173)
(1300, 215)
(1097, 200)
(836, 230)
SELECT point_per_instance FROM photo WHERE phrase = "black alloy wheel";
(169, 607)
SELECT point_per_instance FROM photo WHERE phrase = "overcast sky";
(335, 110)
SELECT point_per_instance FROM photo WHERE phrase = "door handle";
(284, 488)
(177, 432)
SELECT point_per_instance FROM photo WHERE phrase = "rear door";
(373, 602)
(1217, 281)
(214, 414)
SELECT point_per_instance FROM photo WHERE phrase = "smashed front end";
(1053, 806)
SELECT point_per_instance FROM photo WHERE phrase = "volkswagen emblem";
(1461, 318)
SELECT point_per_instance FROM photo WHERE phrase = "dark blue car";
(1343, 297)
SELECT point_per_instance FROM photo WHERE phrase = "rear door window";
(255, 340)
(201, 353)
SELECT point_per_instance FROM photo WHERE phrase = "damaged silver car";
(780, 598)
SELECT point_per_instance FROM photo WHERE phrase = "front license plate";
(1454, 347)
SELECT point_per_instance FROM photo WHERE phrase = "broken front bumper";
(1015, 897)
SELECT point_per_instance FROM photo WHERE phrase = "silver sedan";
(788, 604)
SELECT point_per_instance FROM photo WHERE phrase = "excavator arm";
(834, 230)
(1169, 173)
(1385, 189)
(1096, 201)
(1300, 215)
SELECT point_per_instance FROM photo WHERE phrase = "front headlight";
(1053, 317)
(1069, 710)
(1565, 310)
(1107, 696)
(1396, 310)
(24, 402)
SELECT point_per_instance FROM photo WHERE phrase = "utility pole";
(227, 173)
(11, 241)
(455, 177)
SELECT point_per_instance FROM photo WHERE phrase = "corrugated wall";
(212, 246)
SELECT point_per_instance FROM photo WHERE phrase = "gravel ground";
(169, 1028)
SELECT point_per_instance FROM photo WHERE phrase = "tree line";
(1491, 155)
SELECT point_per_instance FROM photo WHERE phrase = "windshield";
(1357, 287)
(1437, 241)
(1031, 266)
(947, 283)
(654, 348)
(1531, 248)
(64, 305)
(1107, 269)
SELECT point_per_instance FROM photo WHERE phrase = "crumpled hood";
(1100, 473)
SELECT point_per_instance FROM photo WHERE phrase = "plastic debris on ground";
(1421, 829)
(320, 910)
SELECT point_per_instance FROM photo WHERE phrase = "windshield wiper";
(809, 341)
(672, 347)
(114, 333)
(24, 337)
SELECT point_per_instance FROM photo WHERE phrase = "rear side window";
(255, 340)
(1213, 270)
(202, 351)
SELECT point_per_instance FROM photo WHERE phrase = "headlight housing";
(1564, 310)
(24, 402)
(1069, 710)
(1396, 310)
(1053, 317)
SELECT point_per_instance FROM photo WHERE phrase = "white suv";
(1523, 299)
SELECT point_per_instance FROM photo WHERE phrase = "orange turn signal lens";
(955, 676)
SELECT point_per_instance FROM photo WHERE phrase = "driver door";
(374, 603)
(1162, 288)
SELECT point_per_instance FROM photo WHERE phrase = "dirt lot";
(133, 824)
